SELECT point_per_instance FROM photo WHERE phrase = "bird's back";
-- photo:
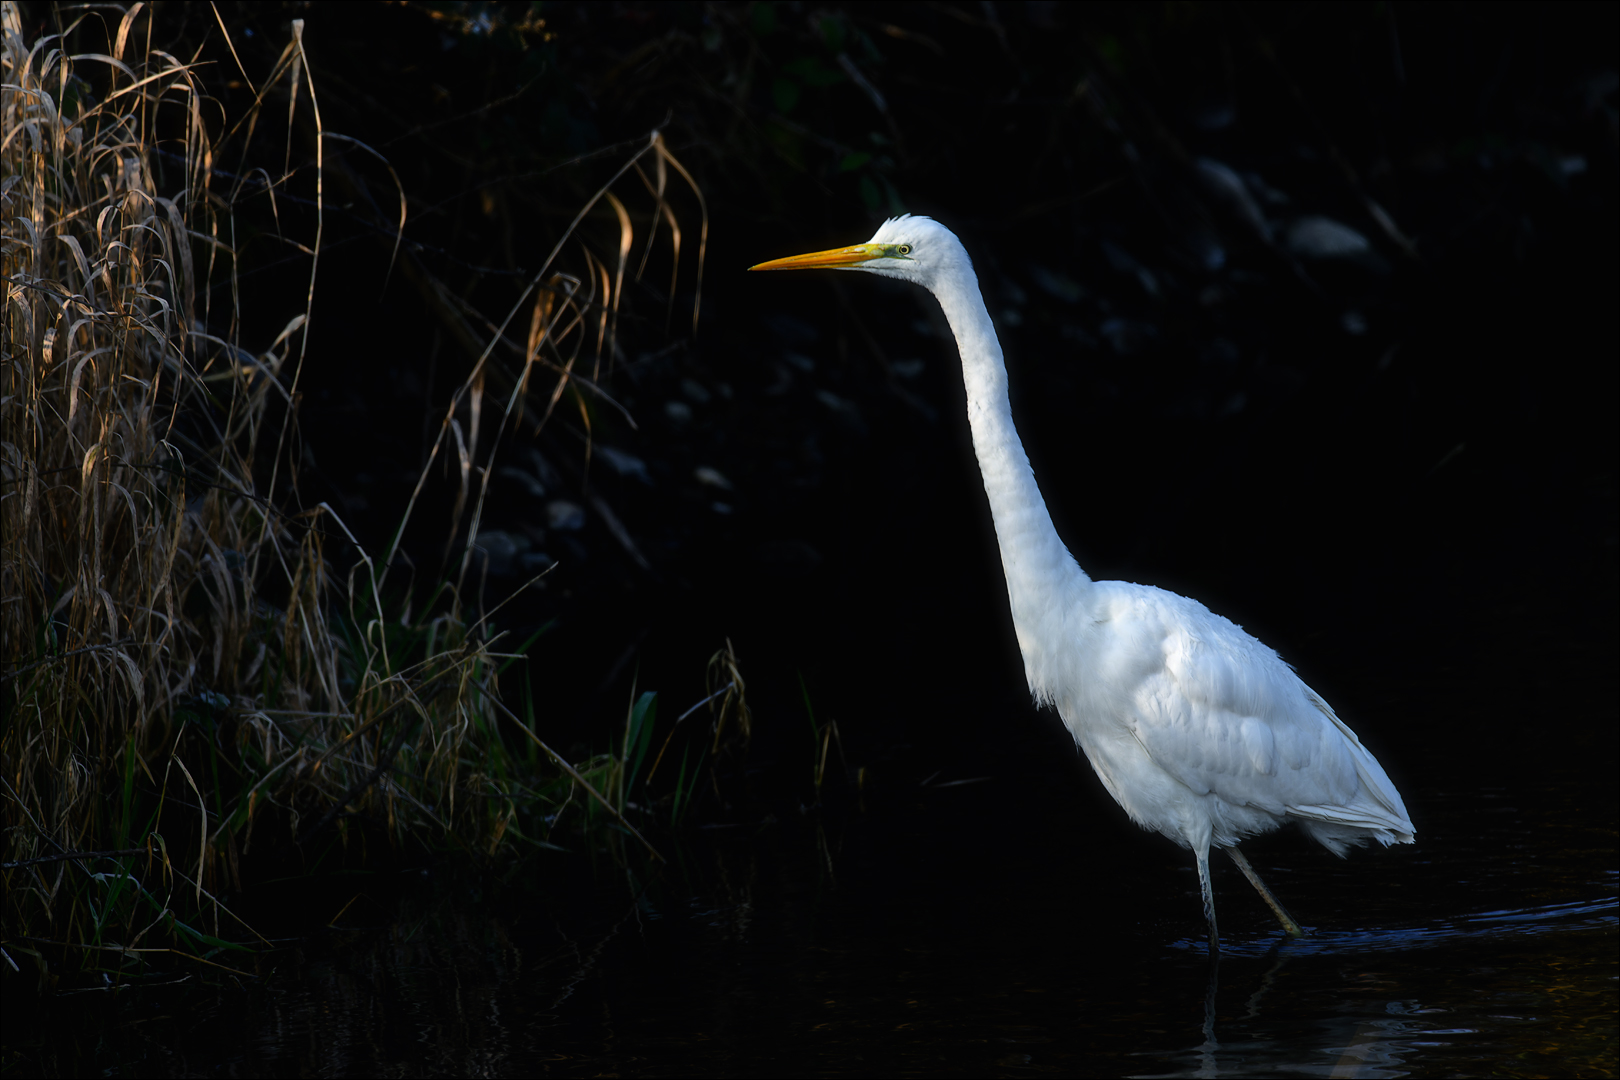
(1204, 734)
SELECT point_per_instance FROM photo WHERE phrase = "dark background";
(1397, 468)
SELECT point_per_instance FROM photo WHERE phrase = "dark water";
(1013, 926)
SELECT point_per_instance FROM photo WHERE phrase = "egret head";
(910, 248)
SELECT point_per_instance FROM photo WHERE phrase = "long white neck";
(1043, 579)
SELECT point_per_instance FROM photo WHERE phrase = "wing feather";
(1224, 715)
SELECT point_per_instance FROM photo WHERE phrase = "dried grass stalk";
(181, 678)
(154, 698)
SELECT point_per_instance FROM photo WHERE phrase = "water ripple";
(1541, 919)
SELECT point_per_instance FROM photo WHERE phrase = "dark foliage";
(1309, 310)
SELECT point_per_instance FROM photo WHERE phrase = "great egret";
(1198, 730)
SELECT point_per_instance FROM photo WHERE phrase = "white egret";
(1198, 730)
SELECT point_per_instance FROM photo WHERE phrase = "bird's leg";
(1287, 920)
(1209, 900)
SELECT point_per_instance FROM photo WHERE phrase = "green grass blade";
(682, 794)
(642, 719)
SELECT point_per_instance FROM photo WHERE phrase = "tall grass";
(185, 682)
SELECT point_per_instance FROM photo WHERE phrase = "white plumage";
(1197, 729)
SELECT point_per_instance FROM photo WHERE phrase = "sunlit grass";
(188, 681)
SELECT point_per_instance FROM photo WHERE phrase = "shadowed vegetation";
(360, 433)
(191, 688)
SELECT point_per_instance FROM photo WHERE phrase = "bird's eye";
(904, 249)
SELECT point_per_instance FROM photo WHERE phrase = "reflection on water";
(942, 936)
(1511, 1013)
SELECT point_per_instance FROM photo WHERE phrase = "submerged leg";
(1287, 920)
(1209, 900)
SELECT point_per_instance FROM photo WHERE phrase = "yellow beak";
(837, 257)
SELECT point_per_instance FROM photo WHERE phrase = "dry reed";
(183, 679)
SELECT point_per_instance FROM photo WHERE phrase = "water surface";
(1014, 926)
